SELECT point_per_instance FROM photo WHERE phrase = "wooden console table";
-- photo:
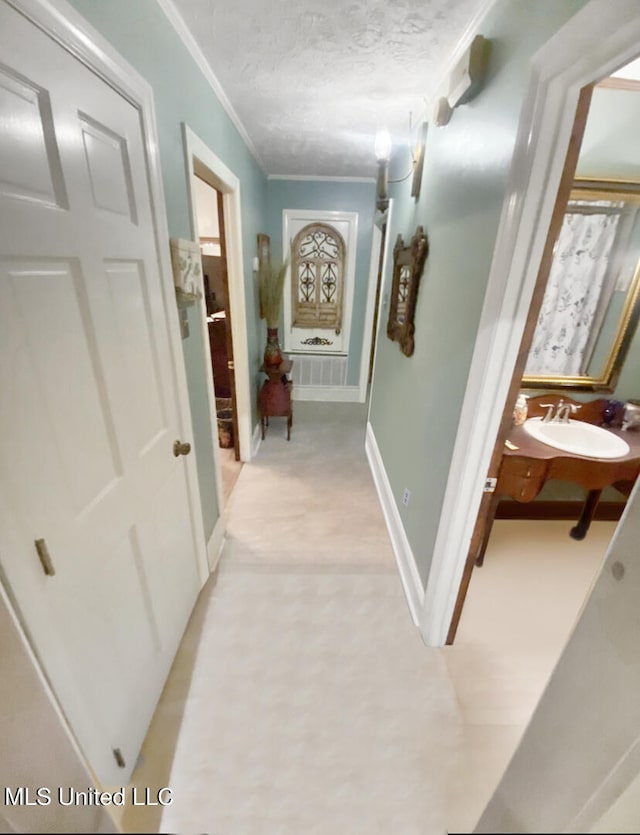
(524, 471)
(275, 395)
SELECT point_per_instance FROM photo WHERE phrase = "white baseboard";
(256, 440)
(216, 543)
(405, 560)
(329, 394)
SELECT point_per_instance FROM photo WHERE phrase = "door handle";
(180, 448)
(230, 365)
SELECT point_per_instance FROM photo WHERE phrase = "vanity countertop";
(528, 446)
(524, 470)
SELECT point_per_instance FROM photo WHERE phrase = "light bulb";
(382, 145)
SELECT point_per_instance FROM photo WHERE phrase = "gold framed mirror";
(408, 264)
(591, 303)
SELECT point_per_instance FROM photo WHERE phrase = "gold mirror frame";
(597, 190)
(408, 263)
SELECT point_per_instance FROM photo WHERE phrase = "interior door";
(489, 500)
(90, 487)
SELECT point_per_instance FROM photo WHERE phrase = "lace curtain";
(578, 285)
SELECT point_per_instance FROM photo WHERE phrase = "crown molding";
(182, 30)
(320, 178)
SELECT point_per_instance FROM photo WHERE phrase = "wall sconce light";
(417, 160)
(382, 149)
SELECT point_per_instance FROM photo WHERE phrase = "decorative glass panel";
(329, 282)
(306, 282)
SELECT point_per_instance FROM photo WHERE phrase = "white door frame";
(603, 35)
(383, 298)
(367, 334)
(225, 181)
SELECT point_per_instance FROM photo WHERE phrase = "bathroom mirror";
(408, 264)
(590, 307)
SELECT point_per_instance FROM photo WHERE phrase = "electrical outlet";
(406, 497)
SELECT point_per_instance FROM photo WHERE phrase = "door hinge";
(230, 365)
(117, 755)
(45, 557)
(490, 485)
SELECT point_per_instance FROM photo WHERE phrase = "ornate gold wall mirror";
(591, 303)
(408, 264)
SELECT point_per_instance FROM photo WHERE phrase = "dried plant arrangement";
(271, 278)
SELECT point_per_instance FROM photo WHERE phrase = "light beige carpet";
(313, 706)
(310, 501)
(302, 699)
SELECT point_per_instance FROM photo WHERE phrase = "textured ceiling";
(311, 82)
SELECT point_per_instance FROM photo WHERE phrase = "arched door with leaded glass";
(319, 296)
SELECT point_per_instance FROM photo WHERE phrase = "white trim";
(613, 785)
(383, 303)
(600, 37)
(227, 182)
(33, 661)
(183, 32)
(256, 440)
(405, 560)
(290, 216)
(367, 333)
(327, 394)
(216, 543)
(311, 178)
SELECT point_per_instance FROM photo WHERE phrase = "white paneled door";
(89, 400)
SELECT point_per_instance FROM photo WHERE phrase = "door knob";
(180, 448)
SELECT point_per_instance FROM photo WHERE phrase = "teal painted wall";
(142, 34)
(415, 402)
(335, 196)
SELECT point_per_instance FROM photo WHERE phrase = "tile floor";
(303, 700)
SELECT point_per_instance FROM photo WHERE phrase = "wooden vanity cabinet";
(524, 471)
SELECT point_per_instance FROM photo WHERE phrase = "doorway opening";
(211, 234)
(512, 622)
(598, 235)
(224, 199)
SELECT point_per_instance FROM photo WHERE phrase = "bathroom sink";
(577, 437)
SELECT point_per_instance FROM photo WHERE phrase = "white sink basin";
(578, 438)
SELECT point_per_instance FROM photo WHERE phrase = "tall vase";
(272, 352)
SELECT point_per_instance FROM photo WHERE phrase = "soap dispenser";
(520, 410)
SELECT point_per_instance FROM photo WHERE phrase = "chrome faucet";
(563, 410)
